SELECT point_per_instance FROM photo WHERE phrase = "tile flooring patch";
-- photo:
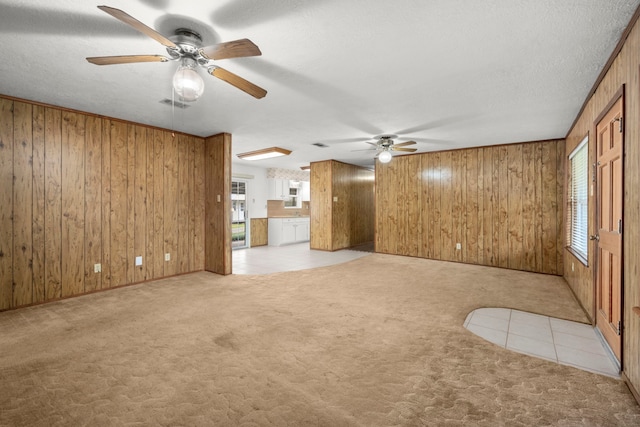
(561, 341)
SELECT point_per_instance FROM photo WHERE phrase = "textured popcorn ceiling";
(447, 73)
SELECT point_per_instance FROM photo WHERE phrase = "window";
(578, 213)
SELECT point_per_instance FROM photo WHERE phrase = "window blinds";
(579, 199)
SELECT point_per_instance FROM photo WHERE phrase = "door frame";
(247, 218)
(619, 94)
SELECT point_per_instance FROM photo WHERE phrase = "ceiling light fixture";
(384, 157)
(265, 153)
(187, 82)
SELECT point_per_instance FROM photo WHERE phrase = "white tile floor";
(561, 341)
(273, 259)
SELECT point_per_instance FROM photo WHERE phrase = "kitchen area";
(275, 209)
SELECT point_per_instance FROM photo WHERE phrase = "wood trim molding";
(113, 119)
(607, 66)
(632, 389)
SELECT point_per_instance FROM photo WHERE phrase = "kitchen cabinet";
(278, 189)
(284, 231)
(305, 191)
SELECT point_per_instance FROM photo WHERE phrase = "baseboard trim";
(633, 390)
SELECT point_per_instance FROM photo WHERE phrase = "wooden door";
(609, 146)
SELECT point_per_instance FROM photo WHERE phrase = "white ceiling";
(446, 73)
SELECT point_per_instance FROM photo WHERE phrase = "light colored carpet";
(375, 341)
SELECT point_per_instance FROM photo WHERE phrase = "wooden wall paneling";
(486, 255)
(549, 207)
(171, 201)
(496, 210)
(402, 189)
(447, 246)
(392, 209)
(339, 208)
(105, 274)
(503, 206)
(158, 203)
(218, 204)
(150, 255)
(473, 243)
(139, 178)
(321, 211)
(413, 204)
(259, 231)
(119, 214)
(436, 210)
(22, 204)
(425, 208)
(624, 70)
(183, 204)
(560, 196)
(73, 125)
(53, 203)
(529, 207)
(191, 183)
(38, 205)
(199, 203)
(93, 203)
(6, 203)
(458, 178)
(131, 195)
(515, 256)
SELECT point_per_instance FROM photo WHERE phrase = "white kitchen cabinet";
(278, 189)
(284, 231)
(305, 191)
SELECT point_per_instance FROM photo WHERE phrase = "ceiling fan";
(385, 144)
(185, 46)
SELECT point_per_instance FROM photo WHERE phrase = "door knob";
(594, 237)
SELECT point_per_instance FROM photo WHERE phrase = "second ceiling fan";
(185, 46)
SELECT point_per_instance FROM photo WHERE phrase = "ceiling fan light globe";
(188, 84)
(385, 157)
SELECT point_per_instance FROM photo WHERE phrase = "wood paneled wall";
(624, 71)
(349, 220)
(78, 190)
(502, 204)
(259, 232)
(218, 204)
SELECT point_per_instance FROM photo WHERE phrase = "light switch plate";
(167, 257)
(97, 268)
(138, 260)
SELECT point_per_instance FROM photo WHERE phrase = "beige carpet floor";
(375, 341)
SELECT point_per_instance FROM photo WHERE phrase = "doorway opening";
(239, 214)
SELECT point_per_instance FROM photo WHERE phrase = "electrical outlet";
(458, 246)
(335, 198)
(138, 260)
(97, 268)
(167, 257)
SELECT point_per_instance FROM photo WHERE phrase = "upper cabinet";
(305, 191)
(292, 192)
(278, 189)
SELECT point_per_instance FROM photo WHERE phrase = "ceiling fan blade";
(127, 59)
(234, 49)
(148, 31)
(239, 82)
(371, 143)
(409, 150)
(402, 144)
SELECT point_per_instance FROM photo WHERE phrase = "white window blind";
(578, 235)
